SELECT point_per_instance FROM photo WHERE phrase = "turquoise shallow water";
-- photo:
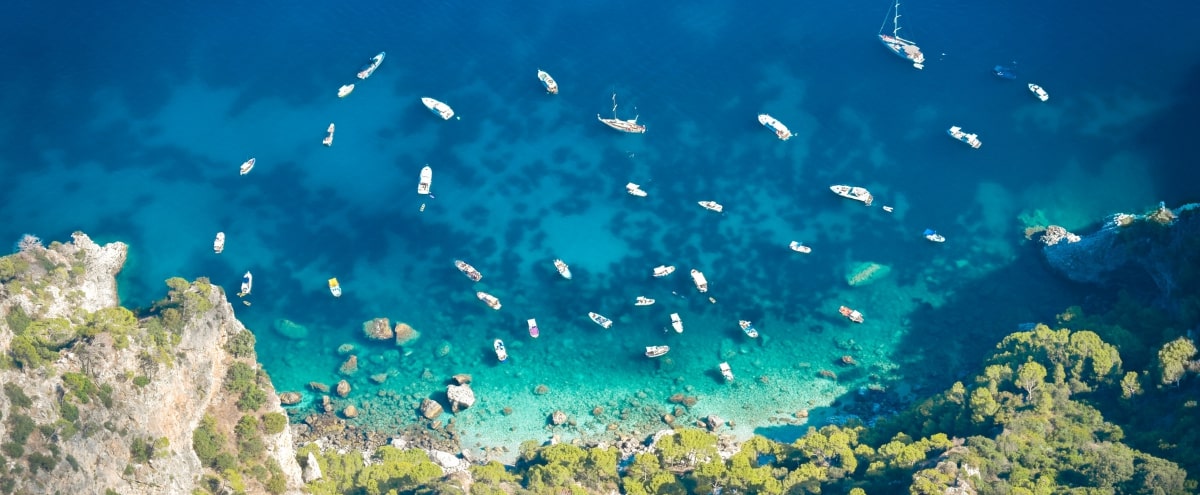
(135, 133)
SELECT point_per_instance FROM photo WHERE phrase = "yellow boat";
(335, 288)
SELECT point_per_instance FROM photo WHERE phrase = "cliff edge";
(98, 398)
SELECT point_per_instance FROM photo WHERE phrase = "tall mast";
(896, 21)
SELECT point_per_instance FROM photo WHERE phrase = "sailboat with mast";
(630, 126)
(905, 49)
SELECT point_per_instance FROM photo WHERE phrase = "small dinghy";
(335, 288)
(247, 166)
(653, 351)
(726, 372)
(501, 352)
(533, 328)
(600, 320)
(799, 248)
(219, 243)
(328, 141)
(676, 323)
(643, 301)
(562, 268)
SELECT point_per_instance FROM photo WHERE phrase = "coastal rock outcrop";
(1133, 251)
(378, 329)
(431, 409)
(461, 397)
(149, 395)
(406, 334)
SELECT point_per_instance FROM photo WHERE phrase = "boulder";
(319, 387)
(289, 398)
(558, 418)
(431, 409)
(350, 412)
(343, 388)
(312, 470)
(405, 334)
(462, 378)
(378, 329)
(450, 463)
(713, 422)
(461, 397)
(290, 329)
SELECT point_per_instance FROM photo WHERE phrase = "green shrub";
(276, 485)
(13, 449)
(252, 399)
(52, 333)
(18, 321)
(249, 440)
(41, 461)
(274, 423)
(207, 441)
(225, 461)
(241, 344)
(73, 462)
(22, 427)
(25, 352)
(141, 450)
(80, 385)
(118, 321)
(16, 396)
(105, 395)
(68, 411)
(141, 381)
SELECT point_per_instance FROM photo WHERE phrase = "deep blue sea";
(129, 122)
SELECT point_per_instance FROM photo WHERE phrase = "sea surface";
(128, 121)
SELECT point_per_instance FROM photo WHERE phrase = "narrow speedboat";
(501, 352)
(438, 108)
(888, 209)
(630, 126)
(635, 190)
(771, 123)
(488, 299)
(247, 166)
(700, 281)
(345, 90)
(956, 132)
(219, 243)
(562, 268)
(533, 328)
(726, 372)
(468, 270)
(676, 323)
(799, 248)
(853, 192)
(851, 314)
(653, 351)
(335, 288)
(712, 206)
(600, 320)
(748, 328)
(247, 284)
(426, 180)
(663, 270)
(643, 301)
(370, 67)
(328, 141)
(933, 236)
(549, 82)
(1040, 93)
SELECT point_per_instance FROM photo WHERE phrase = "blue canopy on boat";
(930, 232)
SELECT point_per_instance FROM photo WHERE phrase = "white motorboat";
(799, 248)
(533, 328)
(468, 270)
(851, 314)
(726, 372)
(488, 299)
(426, 180)
(748, 328)
(1040, 93)
(712, 206)
(972, 140)
(905, 49)
(247, 284)
(547, 81)
(933, 236)
(635, 190)
(247, 166)
(335, 288)
(888, 209)
(562, 268)
(600, 320)
(369, 69)
(630, 126)
(219, 243)
(663, 270)
(853, 192)
(438, 108)
(676, 323)
(501, 352)
(328, 141)
(700, 281)
(775, 125)
(653, 351)
(643, 301)
(345, 90)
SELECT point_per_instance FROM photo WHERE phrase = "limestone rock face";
(169, 406)
(312, 470)
(461, 397)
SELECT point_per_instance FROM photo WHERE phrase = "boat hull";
(904, 49)
(533, 328)
(438, 108)
(426, 180)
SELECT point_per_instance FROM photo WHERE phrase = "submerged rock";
(431, 409)
(378, 329)
(461, 397)
(405, 334)
(866, 272)
(290, 329)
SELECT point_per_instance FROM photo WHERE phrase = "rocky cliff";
(1154, 251)
(98, 398)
